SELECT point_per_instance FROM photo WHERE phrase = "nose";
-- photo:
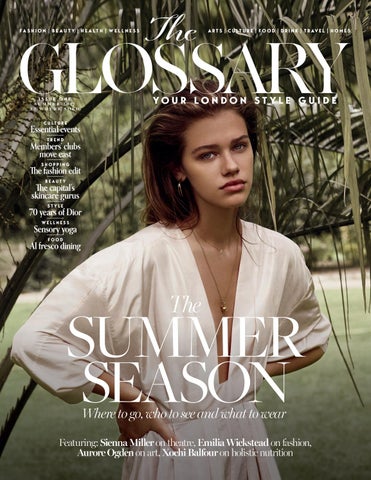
(229, 165)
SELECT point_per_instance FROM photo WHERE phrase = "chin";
(233, 206)
(237, 201)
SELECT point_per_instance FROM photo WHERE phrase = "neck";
(219, 227)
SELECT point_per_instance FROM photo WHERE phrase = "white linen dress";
(142, 276)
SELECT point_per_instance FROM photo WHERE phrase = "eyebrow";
(215, 145)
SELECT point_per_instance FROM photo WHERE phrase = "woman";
(181, 322)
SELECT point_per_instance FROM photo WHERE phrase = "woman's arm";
(144, 420)
(295, 363)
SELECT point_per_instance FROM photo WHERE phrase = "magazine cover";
(185, 239)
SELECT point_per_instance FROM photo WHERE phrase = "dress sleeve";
(48, 349)
(299, 302)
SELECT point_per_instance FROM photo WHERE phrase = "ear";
(179, 174)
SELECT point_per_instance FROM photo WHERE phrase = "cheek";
(248, 164)
(197, 172)
(252, 161)
(199, 180)
(251, 169)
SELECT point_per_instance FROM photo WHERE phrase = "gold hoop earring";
(180, 191)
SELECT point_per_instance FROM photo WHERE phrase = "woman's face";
(218, 160)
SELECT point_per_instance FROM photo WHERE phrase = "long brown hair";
(164, 145)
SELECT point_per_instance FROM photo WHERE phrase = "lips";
(234, 184)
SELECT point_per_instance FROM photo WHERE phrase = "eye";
(240, 146)
(207, 156)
